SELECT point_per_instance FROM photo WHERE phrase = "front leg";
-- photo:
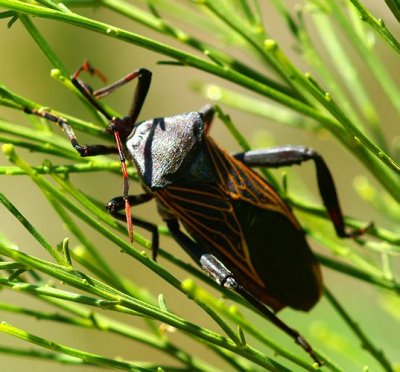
(116, 205)
(289, 155)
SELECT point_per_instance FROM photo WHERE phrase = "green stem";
(350, 77)
(42, 241)
(43, 44)
(90, 319)
(257, 107)
(157, 24)
(257, 41)
(94, 262)
(374, 63)
(113, 166)
(55, 357)
(377, 24)
(86, 356)
(379, 281)
(376, 231)
(365, 341)
(232, 314)
(327, 101)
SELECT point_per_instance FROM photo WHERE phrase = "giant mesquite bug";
(239, 230)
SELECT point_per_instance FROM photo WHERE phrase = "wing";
(242, 220)
(246, 185)
(209, 216)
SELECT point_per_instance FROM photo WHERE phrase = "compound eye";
(139, 134)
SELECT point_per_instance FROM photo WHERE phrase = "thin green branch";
(123, 285)
(344, 67)
(253, 38)
(11, 266)
(96, 257)
(371, 59)
(377, 24)
(43, 44)
(312, 56)
(86, 356)
(76, 279)
(248, 13)
(350, 76)
(38, 139)
(42, 241)
(90, 319)
(328, 102)
(159, 25)
(340, 250)
(354, 272)
(93, 166)
(372, 195)
(257, 107)
(376, 231)
(367, 344)
(52, 356)
(52, 57)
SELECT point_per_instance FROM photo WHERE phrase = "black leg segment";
(290, 155)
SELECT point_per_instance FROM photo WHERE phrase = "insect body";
(240, 230)
(227, 208)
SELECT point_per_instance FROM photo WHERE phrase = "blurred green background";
(26, 71)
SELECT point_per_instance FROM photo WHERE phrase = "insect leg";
(83, 150)
(116, 205)
(121, 128)
(144, 79)
(290, 155)
(224, 277)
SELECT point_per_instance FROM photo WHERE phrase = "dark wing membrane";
(281, 256)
